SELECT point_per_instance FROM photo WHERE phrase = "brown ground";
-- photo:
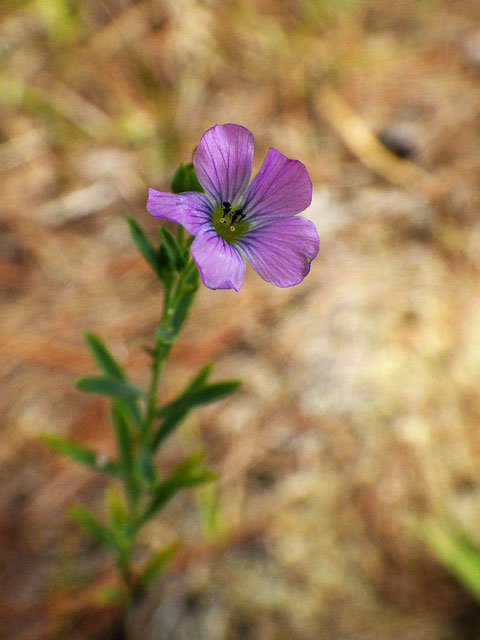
(360, 406)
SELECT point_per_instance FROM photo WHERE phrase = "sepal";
(185, 179)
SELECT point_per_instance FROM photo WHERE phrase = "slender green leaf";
(174, 412)
(117, 510)
(108, 387)
(191, 274)
(166, 268)
(208, 393)
(125, 452)
(147, 469)
(187, 474)
(79, 453)
(111, 369)
(200, 379)
(104, 359)
(182, 307)
(144, 245)
(158, 563)
(173, 249)
(93, 527)
(180, 235)
(185, 179)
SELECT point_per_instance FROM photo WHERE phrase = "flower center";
(228, 222)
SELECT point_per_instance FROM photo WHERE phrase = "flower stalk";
(139, 490)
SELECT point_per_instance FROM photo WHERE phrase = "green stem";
(172, 301)
(167, 305)
(162, 349)
(161, 352)
(125, 569)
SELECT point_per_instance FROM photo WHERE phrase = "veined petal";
(282, 187)
(223, 162)
(280, 249)
(220, 264)
(191, 209)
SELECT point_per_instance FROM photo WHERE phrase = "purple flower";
(234, 220)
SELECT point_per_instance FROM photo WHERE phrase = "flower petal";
(223, 162)
(282, 187)
(281, 249)
(190, 209)
(220, 264)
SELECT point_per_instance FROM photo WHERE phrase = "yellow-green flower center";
(229, 222)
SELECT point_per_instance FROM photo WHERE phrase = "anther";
(232, 228)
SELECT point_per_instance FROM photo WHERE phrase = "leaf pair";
(112, 383)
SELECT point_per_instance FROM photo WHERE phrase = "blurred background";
(360, 409)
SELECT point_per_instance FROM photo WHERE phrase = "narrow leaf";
(200, 379)
(209, 393)
(173, 249)
(144, 245)
(108, 387)
(79, 453)
(111, 369)
(174, 412)
(165, 267)
(147, 469)
(182, 308)
(104, 359)
(93, 527)
(185, 475)
(125, 451)
(158, 563)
